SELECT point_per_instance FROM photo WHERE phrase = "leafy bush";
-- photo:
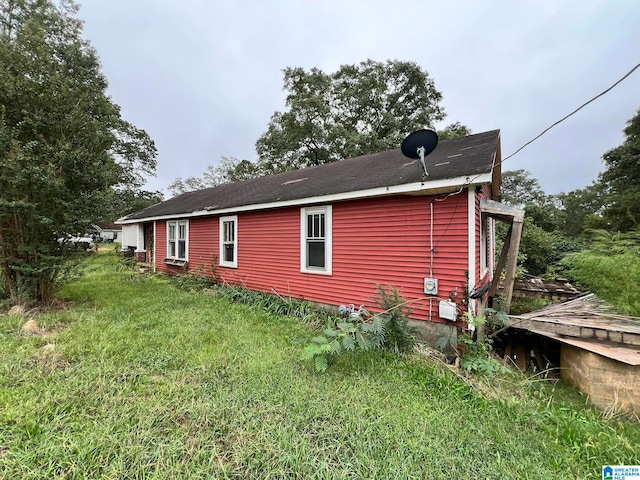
(388, 330)
(477, 355)
(344, 337)
(398, 336)
(524, 305)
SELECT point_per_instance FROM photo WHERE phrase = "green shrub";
(344, 337)
(398, 336)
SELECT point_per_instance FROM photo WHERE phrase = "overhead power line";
(572, 113)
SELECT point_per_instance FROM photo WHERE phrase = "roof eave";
(418, 188)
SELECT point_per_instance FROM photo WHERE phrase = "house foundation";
(610, 384)
(432, 332)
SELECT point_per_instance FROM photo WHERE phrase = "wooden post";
(514, 245)
(501, 261)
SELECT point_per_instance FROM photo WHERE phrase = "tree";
(122, 201)
(359, 109)
(230, 169)
(621, 179)
(543, 241)
(520, 189)
(454, 130)
(63, 143)
(582, 209)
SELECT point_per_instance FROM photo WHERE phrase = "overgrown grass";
(147, 381)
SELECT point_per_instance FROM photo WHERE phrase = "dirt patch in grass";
(33, 328)
(49, 359)
(54, 306)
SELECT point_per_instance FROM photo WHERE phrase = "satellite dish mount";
(419, 144)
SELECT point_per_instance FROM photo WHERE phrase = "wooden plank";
(630, 356)
(512, 262)
(501, 262)
(501, 211)
(603, 332)
(539, 288)
(521, 357)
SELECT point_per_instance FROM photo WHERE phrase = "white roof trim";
(434, 187)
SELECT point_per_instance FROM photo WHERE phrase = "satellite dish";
(419, 144)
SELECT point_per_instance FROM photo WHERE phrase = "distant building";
(109, 232)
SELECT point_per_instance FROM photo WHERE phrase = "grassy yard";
(148, 381)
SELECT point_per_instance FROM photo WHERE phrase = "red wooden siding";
(160, 244)
(204, 249)
(383, 241)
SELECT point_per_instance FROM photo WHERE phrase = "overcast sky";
(203, 77)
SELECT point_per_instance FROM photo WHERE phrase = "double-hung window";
(229, 241)
(177, 239)
(316, 240)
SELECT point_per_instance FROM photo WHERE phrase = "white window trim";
(328, 238)
(484, 244)
(223, 263)
(177, 223)
(491, 244)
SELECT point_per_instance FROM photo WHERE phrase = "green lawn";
(149, 381)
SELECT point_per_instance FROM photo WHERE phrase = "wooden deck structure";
(600, 349)
(586, 317)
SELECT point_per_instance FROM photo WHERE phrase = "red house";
(330, 233)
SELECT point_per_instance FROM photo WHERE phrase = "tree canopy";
(621, 180)
(520, 189)
(229, 170)
(359, 109)
(118, 202)
(544, 239)
(63, 143)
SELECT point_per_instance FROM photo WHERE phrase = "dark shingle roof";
(464, 156)
(109, 226)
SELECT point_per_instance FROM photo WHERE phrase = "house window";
(315, 236)
(229, 241)
(177, 240)
(486, 241)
